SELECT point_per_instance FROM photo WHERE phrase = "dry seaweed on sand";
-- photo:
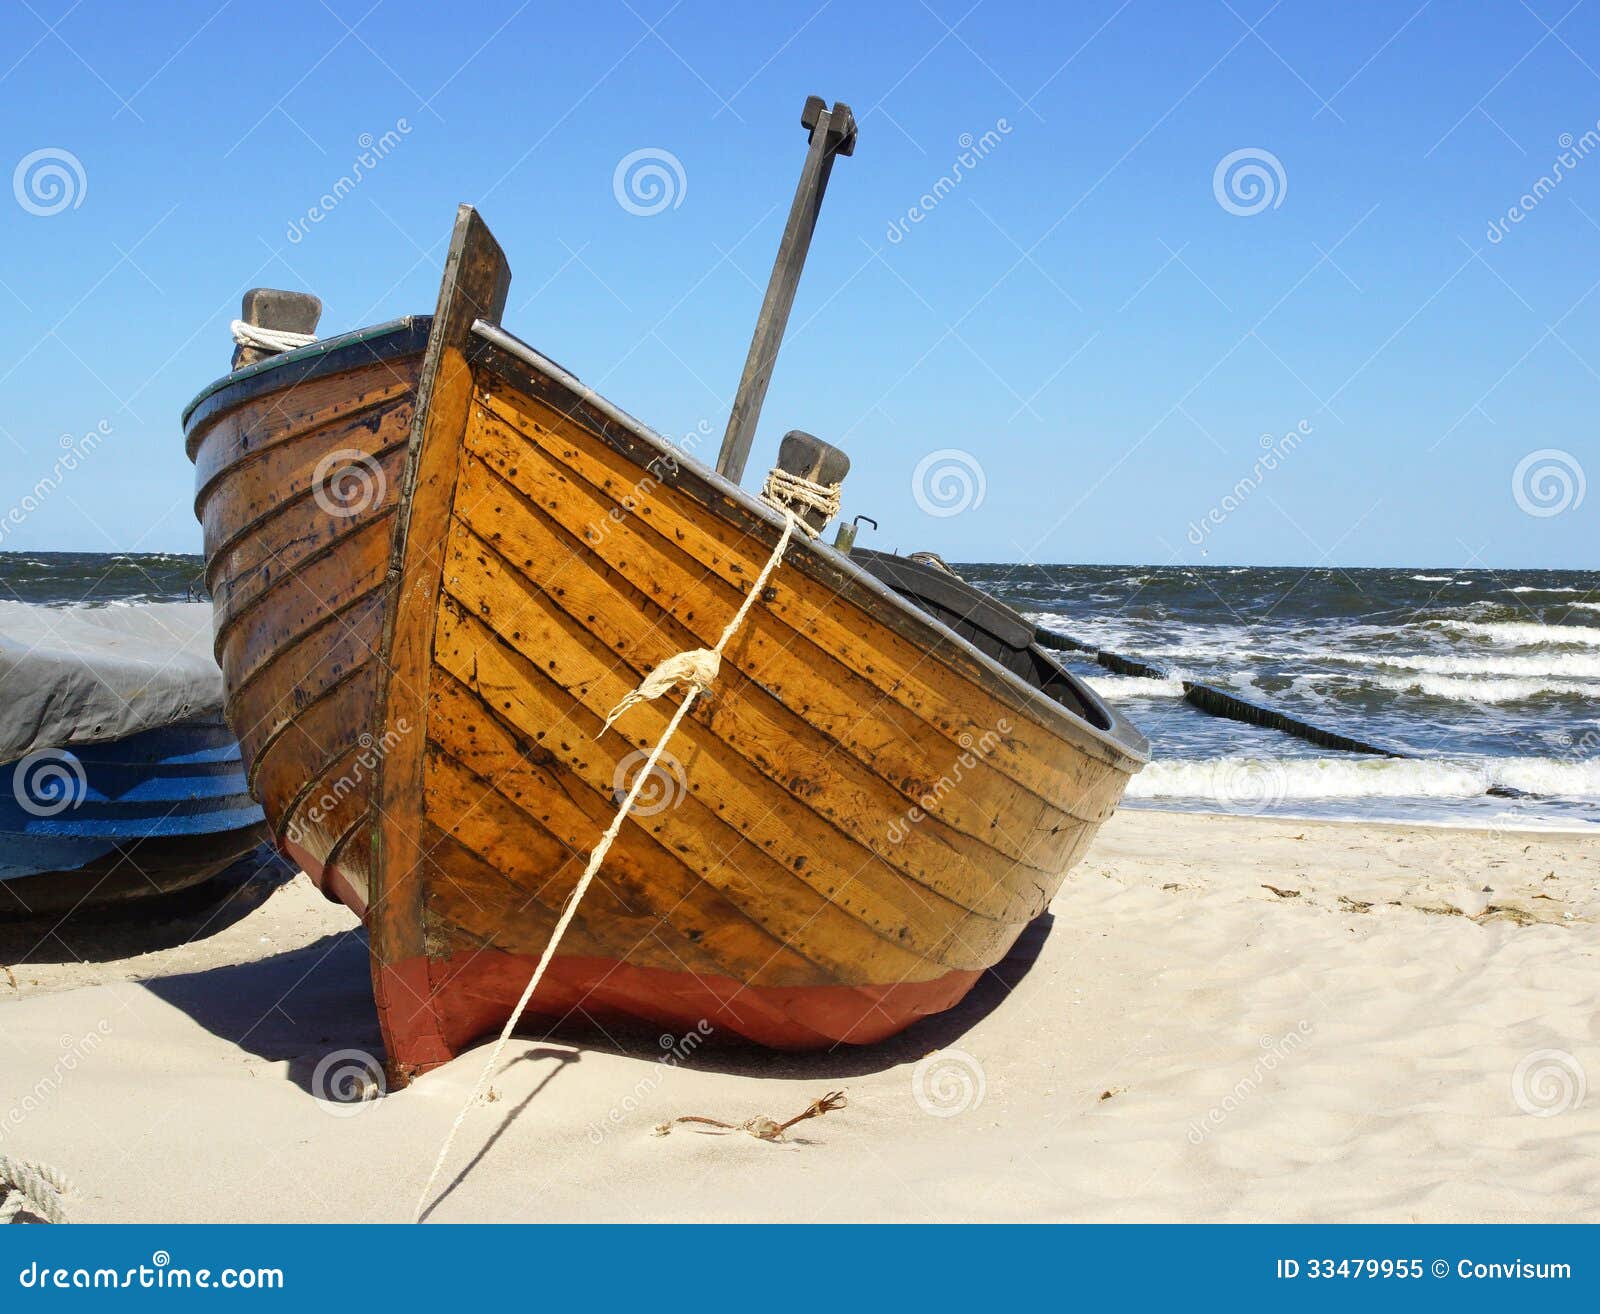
(761, 1127)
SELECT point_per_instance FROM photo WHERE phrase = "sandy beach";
(1222, 1019)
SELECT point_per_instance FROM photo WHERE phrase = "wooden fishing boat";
(859, 819)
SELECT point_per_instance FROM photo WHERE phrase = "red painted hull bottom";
(432, 1009)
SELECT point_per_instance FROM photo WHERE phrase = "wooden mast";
(833, 132)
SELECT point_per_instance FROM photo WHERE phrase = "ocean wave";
(1509, 689)
(1114, 688)
(1524, 634)
(1533, 588)
(132, 600)
(1572, 665)
(1434, 579)
(1260, 783)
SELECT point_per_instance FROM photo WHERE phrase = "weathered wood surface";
(860, 818)
(476, 280)
(832, 133)
(841, 815)
(298, 592)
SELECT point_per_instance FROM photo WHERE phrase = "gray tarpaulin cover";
(75, 675)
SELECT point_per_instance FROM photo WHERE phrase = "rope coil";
(268, 339)
(695, 669)
(32, 1187)
(783, 491)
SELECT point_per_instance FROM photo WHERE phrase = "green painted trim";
(311, 351)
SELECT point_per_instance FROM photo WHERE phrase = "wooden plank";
(288, 471)
(753, 720)
(670, 879)
(466, 910)
(329, 806)
(835, 915)
(508, 365)
(916, 678)
(279, 549)
(298, 760)
(293, 568)
(517, 910)
(909, 892)
(295, 602)
(338, 404)
(301, 671)
(689, 606)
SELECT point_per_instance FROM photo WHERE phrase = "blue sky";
(1085, 318)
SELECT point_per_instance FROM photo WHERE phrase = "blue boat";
(91, 814)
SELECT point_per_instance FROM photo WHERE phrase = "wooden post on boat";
(822, 463)
(273, 308)
(833, 132)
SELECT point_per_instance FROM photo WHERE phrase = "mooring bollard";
(278, 311)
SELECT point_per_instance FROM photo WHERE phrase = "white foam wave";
(1531, 588)
(1486, 690)
(1434, 579)
(1572, 665)
(1114, 688)
(1523, 634)
(1262, 782)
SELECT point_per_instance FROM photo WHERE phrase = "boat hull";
(124, 820)
(857, 821)
(442, 1005)
(297, 474)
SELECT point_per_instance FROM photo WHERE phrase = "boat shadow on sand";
(104, 933)
(311, 1007)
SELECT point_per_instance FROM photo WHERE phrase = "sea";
(1487, 680)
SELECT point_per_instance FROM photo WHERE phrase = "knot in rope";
(696, 669)
(268, 339)
(784, 491)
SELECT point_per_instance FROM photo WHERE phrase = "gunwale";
(407, 335)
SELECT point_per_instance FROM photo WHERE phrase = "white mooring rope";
(34, 1187)
(267, 339)
(783, 491)
(695, 669)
